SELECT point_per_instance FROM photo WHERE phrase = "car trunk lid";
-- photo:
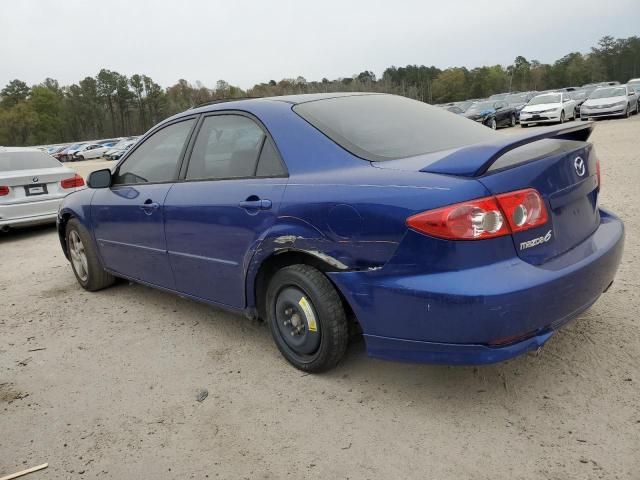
(35, 185)
(556, 161)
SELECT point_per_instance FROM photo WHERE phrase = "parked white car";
(90, 150)
(555, 107)
(32, 185)
(620, 101)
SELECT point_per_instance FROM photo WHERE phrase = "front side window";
(227, 146)
(156, 160)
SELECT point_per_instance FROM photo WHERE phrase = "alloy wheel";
(78, 256)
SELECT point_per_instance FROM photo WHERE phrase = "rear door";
(128, 217)
(217, 216)
(565, 173)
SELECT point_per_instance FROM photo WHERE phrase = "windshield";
(499, 96)
(608, 92)
(581, 95)
(26, 160)
(542, 99)
(481, 106)
(464, 106)
(386, 127)
(517, 98)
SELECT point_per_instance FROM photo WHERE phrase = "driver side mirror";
(100, 179)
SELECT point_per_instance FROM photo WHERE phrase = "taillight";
(4, 190)
(471, 220)
(73, 182)
(524, 209)
(483, 218)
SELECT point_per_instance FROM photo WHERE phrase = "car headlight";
(621, 103)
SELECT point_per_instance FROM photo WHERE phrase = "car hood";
(594, 102)
(542, 106)
(479, 113)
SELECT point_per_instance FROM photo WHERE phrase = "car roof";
(19, 149)
(291, 99)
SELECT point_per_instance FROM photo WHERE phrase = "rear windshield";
(10, 161)
(387, 127)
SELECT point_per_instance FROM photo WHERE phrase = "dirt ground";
(105, 384)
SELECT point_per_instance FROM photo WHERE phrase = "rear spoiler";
(476, 159)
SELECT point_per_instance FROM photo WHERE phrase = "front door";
(128, 217)
(217, 216)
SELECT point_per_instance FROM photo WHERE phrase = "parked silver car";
(32, 185)
(616, 101)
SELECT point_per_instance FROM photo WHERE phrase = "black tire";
(513, 120)
(524, 125)
(562, 117)
(80, 158)
(95, 278)
(320, 349)
(492, 124)
(627, 111)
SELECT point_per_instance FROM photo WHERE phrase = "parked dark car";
(519, 100)
(454, 109)
(579, 96)
(492, 113)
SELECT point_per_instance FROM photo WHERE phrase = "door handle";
(255, 204)
(149, 206)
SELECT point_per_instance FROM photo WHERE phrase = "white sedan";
(548, 108)
(617, 101)
(90, 150)
(32, 185)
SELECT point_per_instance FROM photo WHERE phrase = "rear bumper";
(29, 213)
(485, 314)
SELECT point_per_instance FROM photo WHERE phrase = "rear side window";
(386, 127)
(228, 146)
(156, 160)
(10, 161)
(269, 164)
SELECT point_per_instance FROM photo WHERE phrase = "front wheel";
(84, 258)
(513, 120)
(492, 124)
(306, 318)
(562, 117)
(627, 112)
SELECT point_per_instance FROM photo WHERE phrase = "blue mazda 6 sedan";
(324, 214)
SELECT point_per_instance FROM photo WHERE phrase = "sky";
(250, 41)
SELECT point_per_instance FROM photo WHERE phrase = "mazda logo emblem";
(578, 164)
(35, 179)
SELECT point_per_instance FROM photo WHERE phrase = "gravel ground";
(105, 384)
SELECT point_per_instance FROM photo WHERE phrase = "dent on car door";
(128, 217)
(216, 218)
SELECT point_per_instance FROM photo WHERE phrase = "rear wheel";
(306, 318)
(84, 258)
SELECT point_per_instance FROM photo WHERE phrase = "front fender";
(75, 205)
